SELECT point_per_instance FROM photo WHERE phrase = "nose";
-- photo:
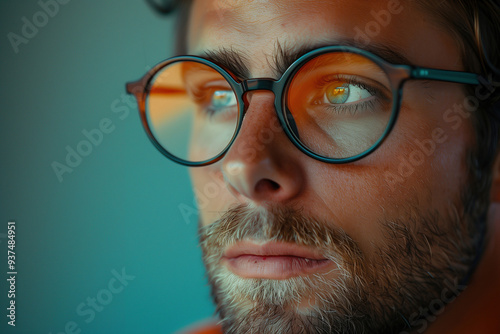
(263, 165)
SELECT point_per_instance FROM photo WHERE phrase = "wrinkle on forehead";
(253, 18)
(253, 27)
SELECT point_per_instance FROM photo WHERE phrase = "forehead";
(254, 27)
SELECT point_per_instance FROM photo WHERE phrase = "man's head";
(294, 244)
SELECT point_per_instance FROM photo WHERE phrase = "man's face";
(293, 244)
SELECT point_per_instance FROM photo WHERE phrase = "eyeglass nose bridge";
(276, 87)
(258, 84)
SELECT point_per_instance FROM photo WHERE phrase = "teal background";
(119, 208)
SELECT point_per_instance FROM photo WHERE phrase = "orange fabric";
(207, 328)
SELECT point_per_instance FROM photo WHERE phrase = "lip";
(273, 260)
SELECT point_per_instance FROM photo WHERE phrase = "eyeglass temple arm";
(137, 88)
(444, 75)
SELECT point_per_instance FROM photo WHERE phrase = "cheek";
(211, 192)
(430, 142)
(420, 169)
(353, 197)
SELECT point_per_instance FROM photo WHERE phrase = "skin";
(352, 196)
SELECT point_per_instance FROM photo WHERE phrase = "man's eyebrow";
(231, 60)
(283, 56)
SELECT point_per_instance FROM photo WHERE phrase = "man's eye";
(343, 93)
(223, 99)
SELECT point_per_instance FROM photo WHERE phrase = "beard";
(416, 268)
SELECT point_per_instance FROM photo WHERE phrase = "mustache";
(278, 223)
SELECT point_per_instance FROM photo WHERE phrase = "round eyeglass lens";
(192, 111)
(339, 104)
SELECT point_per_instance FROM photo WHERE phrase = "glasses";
(337, 104)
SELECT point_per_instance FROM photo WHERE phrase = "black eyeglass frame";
(397, 74)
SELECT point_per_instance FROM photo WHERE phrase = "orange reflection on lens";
(186, 113)
(341, 104)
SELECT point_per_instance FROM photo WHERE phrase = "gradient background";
(120, 207)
